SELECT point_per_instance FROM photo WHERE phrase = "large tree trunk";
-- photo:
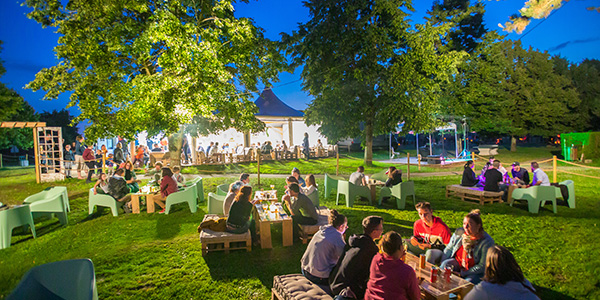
(368, 144)
(513, 143)
(175, 143)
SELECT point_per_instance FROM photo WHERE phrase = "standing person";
(468, 177)
(296, 174)
(185, 148)
(209, 147)
(68, 157)
(324, 249)
(394, 176)
(301, 209)
(358, 177)
(139, 156)
(234, 188)
(430, 234)
(390, 277)
(305, 146)
(351, 273)
(539, 176)
(520, 175)
(90, 161)
(466, 252)
(118, 156)
(503, 279)
(238, 220)
(79, 148)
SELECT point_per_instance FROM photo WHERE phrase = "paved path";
(253, 175)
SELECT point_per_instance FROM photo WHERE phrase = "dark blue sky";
(571, 32)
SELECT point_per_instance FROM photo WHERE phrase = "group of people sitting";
(366, 269)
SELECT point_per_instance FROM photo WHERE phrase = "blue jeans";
(474, 279)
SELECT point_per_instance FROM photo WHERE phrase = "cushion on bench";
(296, 287)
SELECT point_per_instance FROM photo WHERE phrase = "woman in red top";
(139, 156)
(167, 186)
(390, 277)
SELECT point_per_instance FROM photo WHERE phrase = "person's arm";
(96, 186)
(414, 290)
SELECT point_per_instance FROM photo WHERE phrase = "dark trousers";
(91, 166)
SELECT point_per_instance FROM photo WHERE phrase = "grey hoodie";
(512, 290)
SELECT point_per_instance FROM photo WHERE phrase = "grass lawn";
(152, 256)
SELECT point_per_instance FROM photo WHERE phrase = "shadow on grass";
(169, 226)
(546, 293)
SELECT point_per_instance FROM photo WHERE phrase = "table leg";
(135, 204)
(265, 235)
(150, 203)
(287, 232)
(511, 188)
(373, 189)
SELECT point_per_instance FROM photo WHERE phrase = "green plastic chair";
(11, 219)
(571, 188)
(49, 203)
(215, 204)
(102, 200)
(535, 197)
(67, 279)
(188, 195)
(200, 190)
(331, 183)
(351, 191)
(399, 191)
(314, 197)
(223, 189)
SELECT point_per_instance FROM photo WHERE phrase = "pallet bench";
(213, 241)
(476, 194)
(307, 231)
(297, 287)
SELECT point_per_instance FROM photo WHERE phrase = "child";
(177, 176)
(101, 185)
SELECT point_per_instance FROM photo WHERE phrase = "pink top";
(168, 186)
(391, 279)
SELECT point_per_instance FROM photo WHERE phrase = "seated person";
(390, 277)
(156, 148)
(118, 189)
(394, 176)
(493, 178)
(155, 173)
(245, 178)
(240, 212)
(167, 186)
(234, 188)
(311, 186)
(301, 209)
(131, 178)
(520, 175)
(324, 249)
(358, 177)
(430, 234)
(539, 176)
(101, 185)
(296, 174)
(289, 180)
(503, 279)
(351, 273)
(469, 178)
(177, 175)
(467, 249)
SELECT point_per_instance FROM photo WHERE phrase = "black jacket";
(117, 187)
(353, 266)
(118, 156)
(469, 178)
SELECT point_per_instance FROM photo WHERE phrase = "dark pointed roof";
(269, 105)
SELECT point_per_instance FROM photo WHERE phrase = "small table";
(264, 219)
(373, 184)
(150, 201)
(439, 290)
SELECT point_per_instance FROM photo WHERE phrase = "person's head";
(472, 223)
(245, 178)
(373, 226)
(516, 166)
(235, 187)
(244, 194)
(469, 164)
(166, 171)
(496, 164)
(501, 266)
(318, 141)
(68, 147)
(103, 147)
(390, 171)
(90, 146)
(128, 165)
(360, 169)
(119, 145)
(425, 213)
(535, 165)
(291, 179)
(158, 165)
(212, 143)
(391, 244)
(155, 146)
(294, 189)
(338, 221)
(176, 169)
(103, 177)
(120, 172)
(306, 134)
(296, 172)
(310, 180)
(79, 138)
(283, 142)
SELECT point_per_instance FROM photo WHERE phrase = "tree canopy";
(155, 65)
(467, 19)
(368, 68)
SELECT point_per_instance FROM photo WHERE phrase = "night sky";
(571, 32)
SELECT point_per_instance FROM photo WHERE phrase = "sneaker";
(162, 211)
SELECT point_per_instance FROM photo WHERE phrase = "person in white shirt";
(311, 186)
(358, 177)
(539, 176)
